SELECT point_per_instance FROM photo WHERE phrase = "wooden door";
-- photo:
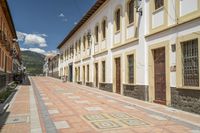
(97, 74)
(118, 75)
(83, 74)
(160, 76)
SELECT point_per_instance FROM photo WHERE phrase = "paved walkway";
(52, 106)
(72, 108)
(22, 114)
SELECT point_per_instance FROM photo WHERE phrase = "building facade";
(146, 49)
(10, 57)
(50, 68)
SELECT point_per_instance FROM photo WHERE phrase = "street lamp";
(89, 41)
(89, 36)
(138, 7)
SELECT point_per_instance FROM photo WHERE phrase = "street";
(49, 105)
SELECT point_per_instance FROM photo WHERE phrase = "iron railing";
(190, 63)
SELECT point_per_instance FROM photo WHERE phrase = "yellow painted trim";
(153, 11)
(101, 72)
(126, 43)
(151, 71)
(94, 78)
(127, 21)
(179, 73)
(114, 24)
(187, 17)
(100, 53)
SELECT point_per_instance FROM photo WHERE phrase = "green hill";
(33, 62)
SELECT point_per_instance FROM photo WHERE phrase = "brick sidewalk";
(22, 115)
(72, 108)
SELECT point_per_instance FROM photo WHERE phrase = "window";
(65, 54)
(84, 43)
(0, 58)
(76, 44)
(3, 59)
(79, 46)
(104, 29)
(159, 4)
(88, 73)
(130, 68)
(131, 11)
(88, 40)
(79, 74)
(72, 50)
(117, 19)
(103, 71)
(190, 63)
(97, 33)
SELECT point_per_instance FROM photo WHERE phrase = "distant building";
(146, 49)
(45, 66)
(10, 56)
(50, 68)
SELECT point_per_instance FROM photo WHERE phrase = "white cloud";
(20, 36)
(41, 51)
(75, 23)
(32, 39)
(35, 39)
(52, 52)
(44, 35)
(37, 50)
(61, 15)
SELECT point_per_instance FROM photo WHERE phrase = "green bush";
(4, 95)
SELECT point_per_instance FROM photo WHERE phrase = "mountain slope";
(33, 62)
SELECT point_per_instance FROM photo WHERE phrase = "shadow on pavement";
(3, 119)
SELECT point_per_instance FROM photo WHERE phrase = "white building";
(146, 49)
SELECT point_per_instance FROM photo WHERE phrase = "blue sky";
(42, 24)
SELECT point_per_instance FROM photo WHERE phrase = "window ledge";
(158, 10)
(131, 24)
(116, 32)
(188, 88)
(131, 84)
(103, 39)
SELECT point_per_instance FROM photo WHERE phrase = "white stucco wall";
(141, 47)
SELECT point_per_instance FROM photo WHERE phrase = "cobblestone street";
(52, 106)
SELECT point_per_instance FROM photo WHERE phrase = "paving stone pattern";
(82, 109)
